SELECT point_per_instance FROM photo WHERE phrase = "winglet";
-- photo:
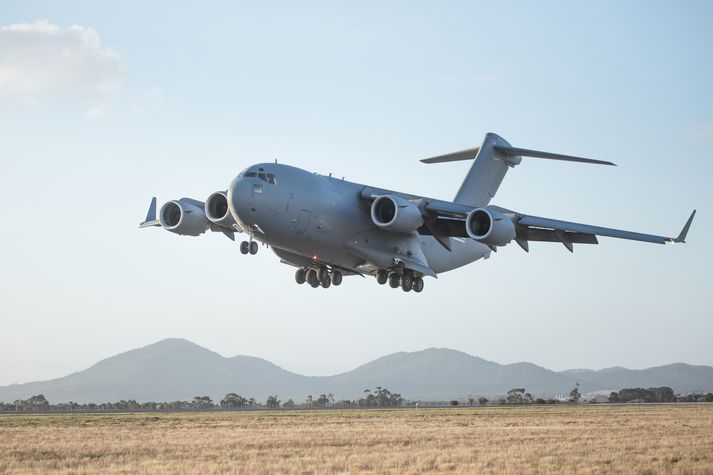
(682, 237)
(151, 216)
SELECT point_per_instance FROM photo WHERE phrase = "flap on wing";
(554, 224)
(551, 235)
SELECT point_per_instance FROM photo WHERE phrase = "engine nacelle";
(217, 210)
(396, 214)
(184, 218)
(489, 227)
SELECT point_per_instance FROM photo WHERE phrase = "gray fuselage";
(309, 218)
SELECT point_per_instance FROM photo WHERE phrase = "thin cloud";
(40, 60)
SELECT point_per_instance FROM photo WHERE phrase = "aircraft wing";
(445, 219)
(448, 219)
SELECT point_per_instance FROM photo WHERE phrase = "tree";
(515, 396)
(201, 402)
(290, 404)
(482, 400)
(613, 396)
(381, 397)
(574, 394)
(272, 401)
(233, 401)
(662, 394)
(323, 400)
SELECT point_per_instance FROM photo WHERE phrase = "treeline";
(379, 397)
(376, 398)
(662, 394)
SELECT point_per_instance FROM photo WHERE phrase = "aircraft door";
(302, 223)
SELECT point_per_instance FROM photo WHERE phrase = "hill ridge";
(178, 369)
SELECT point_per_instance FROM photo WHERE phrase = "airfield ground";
(573, 439)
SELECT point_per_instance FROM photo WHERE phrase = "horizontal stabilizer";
(523, 152)
(467, 154)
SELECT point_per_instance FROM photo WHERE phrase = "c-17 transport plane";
(328, 227)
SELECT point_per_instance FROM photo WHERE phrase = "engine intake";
(396, 214)
(217, 210)
(489, 227)
(184, 218)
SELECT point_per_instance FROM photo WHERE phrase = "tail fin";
(492, 160)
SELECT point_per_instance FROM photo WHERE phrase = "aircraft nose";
(238, 198)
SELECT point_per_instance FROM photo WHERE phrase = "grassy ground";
(582, 439)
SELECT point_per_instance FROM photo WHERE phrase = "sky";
(106, 104)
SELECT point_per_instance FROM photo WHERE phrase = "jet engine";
(217, 210)
(183, 217)
(396, 214)
(489, 227)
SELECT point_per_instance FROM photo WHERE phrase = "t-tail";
(492, 160)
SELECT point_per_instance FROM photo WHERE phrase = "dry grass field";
(581, 439)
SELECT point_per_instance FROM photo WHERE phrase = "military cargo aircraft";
(328, 227)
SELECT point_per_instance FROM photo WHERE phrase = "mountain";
(681, 377)
(440, 373)
(176, 369)
(172, 369)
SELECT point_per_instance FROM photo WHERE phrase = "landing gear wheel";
(336, 277)
(382, 277)
(394, 280)
(407, 281)
(417, 284)
(244, 247)
(312, 278)
(300, 276)
(253, 248)
(323, 274)
(326, 283)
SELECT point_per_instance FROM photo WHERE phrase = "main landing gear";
(404, 278)
(250, 247)
(318, 276)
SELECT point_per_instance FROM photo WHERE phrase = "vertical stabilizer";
(484, 178)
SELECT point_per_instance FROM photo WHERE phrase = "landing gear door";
(302, 223)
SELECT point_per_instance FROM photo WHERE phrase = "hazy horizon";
(103, 106)
(345, 370)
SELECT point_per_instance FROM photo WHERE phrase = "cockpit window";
(266, 177)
